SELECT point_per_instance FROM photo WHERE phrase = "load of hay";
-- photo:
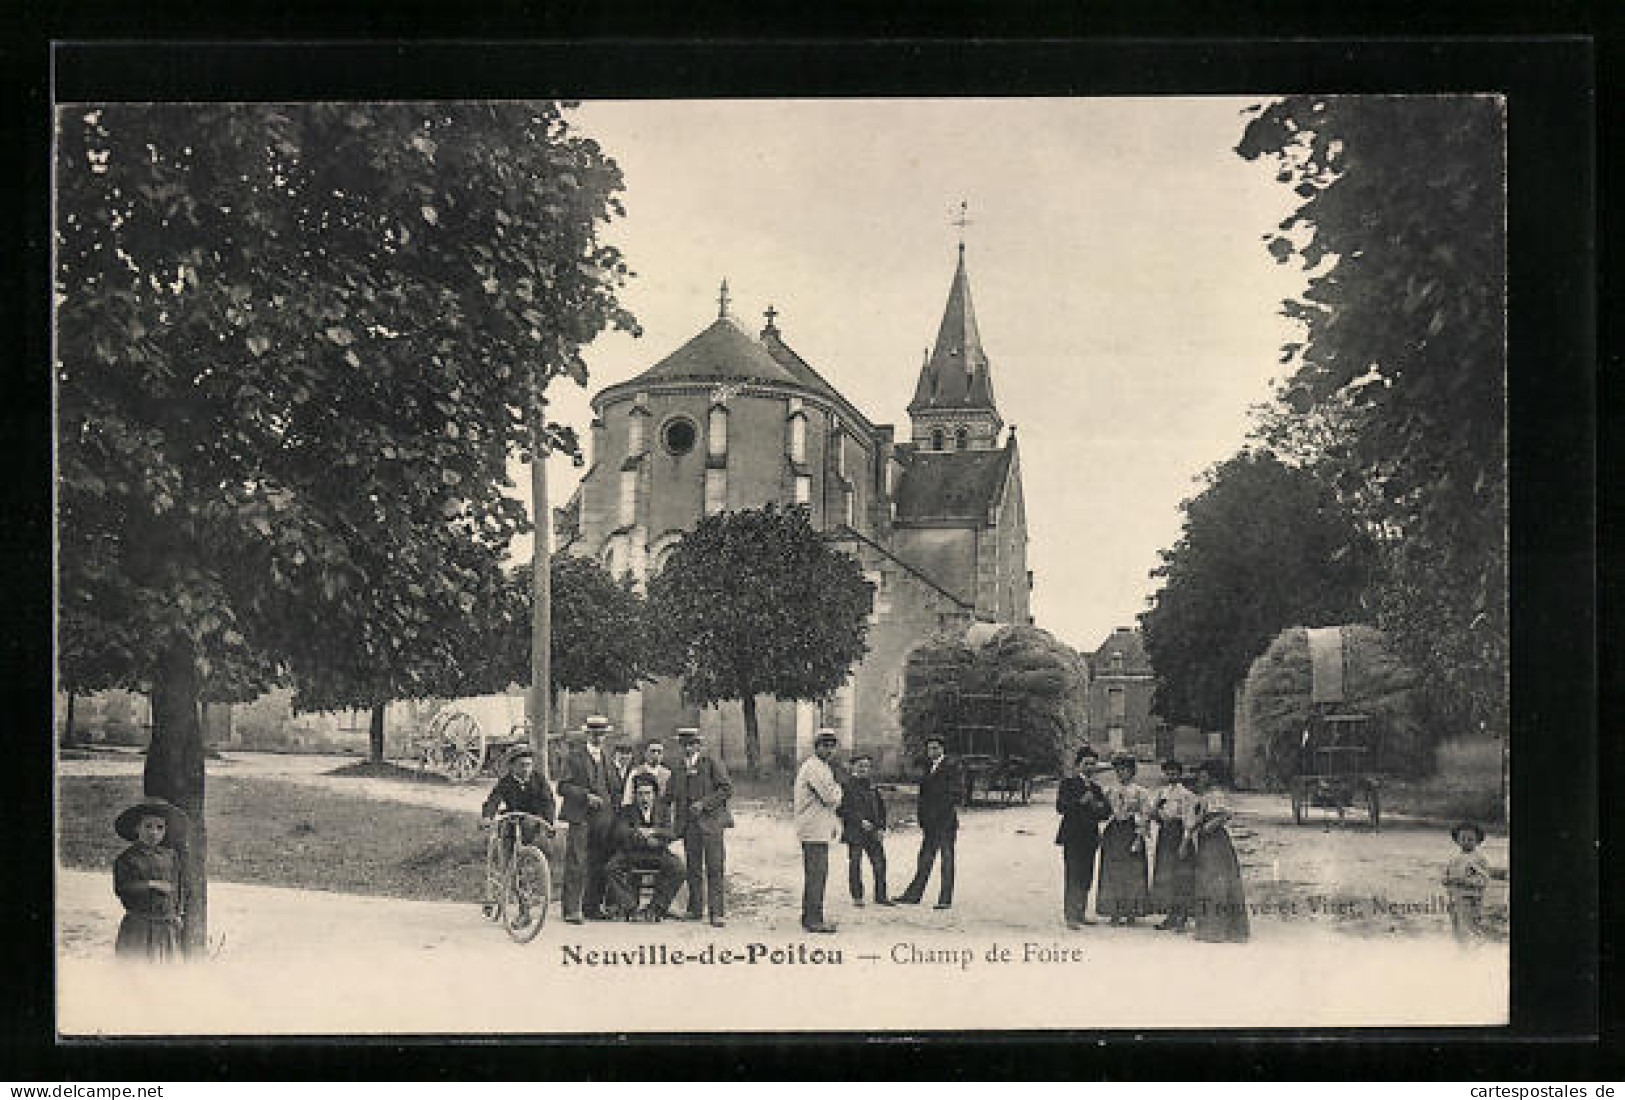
(1048, 678)
(1275, 706)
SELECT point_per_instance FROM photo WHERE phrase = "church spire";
(955, 387)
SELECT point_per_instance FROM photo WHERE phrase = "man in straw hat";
(589, 810)
(817, 798)
(699, 793)
(147, 879)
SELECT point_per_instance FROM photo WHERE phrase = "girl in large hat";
(147, 879)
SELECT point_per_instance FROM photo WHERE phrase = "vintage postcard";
(1023, 563)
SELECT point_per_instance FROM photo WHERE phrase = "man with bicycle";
(521, 790)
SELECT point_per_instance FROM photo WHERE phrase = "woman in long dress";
(1220, 901)
(1173, 873)
(1124, 894)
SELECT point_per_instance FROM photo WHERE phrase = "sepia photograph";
(881, 565)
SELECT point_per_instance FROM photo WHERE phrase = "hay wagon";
(981, 730)
(1339, 767)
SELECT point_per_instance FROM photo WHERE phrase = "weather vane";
(962, 220)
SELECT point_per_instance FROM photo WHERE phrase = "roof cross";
(962, 220)
(722, 300)
(771, 314)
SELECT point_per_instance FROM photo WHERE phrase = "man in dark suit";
(699, 791)
(589, 810)
(642, 837)
(940, 792)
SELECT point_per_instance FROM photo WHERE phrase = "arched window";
(718, 435)
(961, 437)
(936, 439)
(798, 437)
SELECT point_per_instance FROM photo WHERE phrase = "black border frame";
(1551, 88)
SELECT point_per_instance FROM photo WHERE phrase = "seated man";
(640, 843)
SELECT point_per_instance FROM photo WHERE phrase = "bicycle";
(518, 889)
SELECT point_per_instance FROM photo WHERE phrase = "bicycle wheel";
(530, 886)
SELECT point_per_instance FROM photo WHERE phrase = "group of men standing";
(623, 817)
(852, 810)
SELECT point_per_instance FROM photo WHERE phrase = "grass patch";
(367, 769)
(1466, 783)
(274, 833)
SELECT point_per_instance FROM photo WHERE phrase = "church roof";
(938, 485)
(955, 377)
(724, 351)
(1127, 641)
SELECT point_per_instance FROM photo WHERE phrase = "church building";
(737, 419)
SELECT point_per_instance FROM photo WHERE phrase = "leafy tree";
(297, 345)
(1046, 679)
(1401, 364)
(757, 602)
(1264, 546)
(600, 630)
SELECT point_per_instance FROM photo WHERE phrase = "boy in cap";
(520, 790)
(699, 792)
(817, 798)
(863, 828)
(147, 879)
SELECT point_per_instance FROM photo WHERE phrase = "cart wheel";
(1299, 793)
(463, 743)
(530, 887)
(1373, 805)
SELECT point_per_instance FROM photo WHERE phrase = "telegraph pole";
(539, 701)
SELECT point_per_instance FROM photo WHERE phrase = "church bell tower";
(953, 407)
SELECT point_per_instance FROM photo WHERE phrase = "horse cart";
(456, 744)
(1339, 763)
(982, 730)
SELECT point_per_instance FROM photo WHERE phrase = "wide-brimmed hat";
(1468, 826)
(826, 737)
(175, 819)
(688, 735)
(518, 752)
(597, 723)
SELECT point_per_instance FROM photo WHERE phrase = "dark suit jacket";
(581, 777)
(628, 818)
(702, 800)
(860, 801)
(534, 797)
(940, 792)
(1082, 806)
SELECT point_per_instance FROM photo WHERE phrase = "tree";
(757, 602)
(297, 345)
(1046, 679)
(1403, 228)
(1264, 546)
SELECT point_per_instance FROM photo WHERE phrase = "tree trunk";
(174, 771)
(753, 738)
(539, 699)
(375, 734)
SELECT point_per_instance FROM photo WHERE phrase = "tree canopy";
(757, 602)
(600, 630)
(297, 345)
(1396, 391)
(1264, 546)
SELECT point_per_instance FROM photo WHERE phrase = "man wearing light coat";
(817, 798)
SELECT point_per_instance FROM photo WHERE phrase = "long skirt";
(1123, 891)
(1221, 903)
(1173, 877)
(154, 939)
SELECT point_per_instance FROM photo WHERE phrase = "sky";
(1117, 266)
